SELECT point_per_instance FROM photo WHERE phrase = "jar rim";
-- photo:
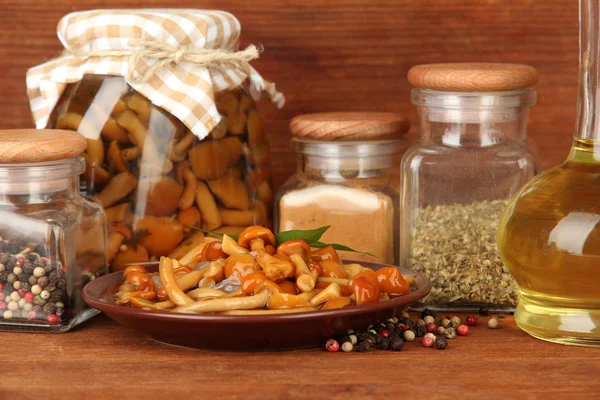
(46, 170)
(473, 100)
(349, 148)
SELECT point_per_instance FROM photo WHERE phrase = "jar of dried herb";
(471, 158)
(347, 178)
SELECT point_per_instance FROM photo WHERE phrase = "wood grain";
(31, 146)
(102, 360)
(347, 55)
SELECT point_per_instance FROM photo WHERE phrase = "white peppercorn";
(13, 306)
(2, 267)
(7, 314)
(409, 335)
(45, 294)
(353, 338)
(17, 285)
(455, 321)
(14, 296)
(22, 303)
(347, 347)
(28, 307)
(60, 304)
(36, 289)
(39, 271)
(429, 320)
(445, 322)
(450, 333)
(431, 335)
(17, 271)
(493, 323)
(441, 330)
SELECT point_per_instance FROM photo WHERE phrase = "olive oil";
(549, 238)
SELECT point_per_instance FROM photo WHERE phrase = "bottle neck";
(39, 191)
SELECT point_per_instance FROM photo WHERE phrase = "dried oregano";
(455, 247)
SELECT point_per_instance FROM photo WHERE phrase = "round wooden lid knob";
(20, 146)
(473, 77)
(349, 126)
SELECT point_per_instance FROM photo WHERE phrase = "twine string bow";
(164, 55)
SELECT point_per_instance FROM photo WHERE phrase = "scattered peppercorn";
(421, 322)
(445, 322)
(450, 333)
(501, 315)
(427, 312)
(420, 331)
(347, 347)
(363, 346)
(431, 328)
(331, 345)
(441, 343)
(353, 339)
(472, 320)
(463, 330)
(384, 333)
(430, 335)
(409, 336)
(429, 320)
(440, 330)
(397, 344)
(428, 342)
(493, 323)
(384, 344)
(484, 311)
(456, 322)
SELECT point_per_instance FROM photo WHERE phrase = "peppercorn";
(484, 311)
(53, 319)
(450, 333)
(7, 314)
(28, 307)
(31, 315)
(429, 320)
(409, 336)
(43, 281)
(493, 323)
(397, 344)
(390, 327)
(428, 342)
(440, 330)
(405, 314)
(431, 328)
(352, 338)
(32, 280)
(393, 320)
(384, 344)
(431, 335)
(420, 331)
(384, 333)
(331, 345)
(49, 308)
(421, 322)
(38, 272)
(472, 320)
(45, 294)
(11, 278)
(427, 312)
(347, 347)
(456, 322)
(363, 337)
(363, 346)
(441, 343)
(501, 315)
(463, 330)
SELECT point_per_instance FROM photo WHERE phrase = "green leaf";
(211, 232)
(340, 247)
(310, 236)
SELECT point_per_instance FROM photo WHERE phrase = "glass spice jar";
(53, 241)
(346, 178)
(177, 143)
(471, 158)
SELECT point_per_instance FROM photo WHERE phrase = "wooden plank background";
(345, 55)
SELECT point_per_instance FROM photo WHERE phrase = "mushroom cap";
(296, 246)
(256, 232)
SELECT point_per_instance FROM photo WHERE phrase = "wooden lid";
(473, 77)
(19, 146)
(349, 126)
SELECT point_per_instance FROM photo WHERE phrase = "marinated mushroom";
(160, 236)
(231, 191)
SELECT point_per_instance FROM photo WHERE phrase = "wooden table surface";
(104, 360)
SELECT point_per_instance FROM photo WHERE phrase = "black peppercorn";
(441, 343)
(26, 286)
(384, 344)
(427, 312)
(28, 267)
(24, 277)
(31, 257)
(364, 337)
(49, 308)
(4, 275)
(13, 248)
(484, 311)
(390, 327)
(56, 296)
(405, 321)
(53, 276)
(48, 268)
(363, 346)
(397, 344)
(420, 330)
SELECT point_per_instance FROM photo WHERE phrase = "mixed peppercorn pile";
(393, 333)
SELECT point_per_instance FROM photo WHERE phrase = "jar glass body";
(53, 244)
(471, 158)
(351, 186)
(155, 179)
(549, 236)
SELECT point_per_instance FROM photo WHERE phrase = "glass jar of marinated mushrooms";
(52, 240)
(176, 146)
(347, 178)
(471, 158)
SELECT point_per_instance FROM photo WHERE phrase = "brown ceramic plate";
(249, 332)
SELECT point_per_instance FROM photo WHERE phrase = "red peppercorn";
(463, 330)
(331, 345)
(1, 286)
(53, 319)
(29, 297)
(31, 315)
(472, 320)
(428, 342)
(384, 333)
(431, 328)
(21, 292)
(2, 296)
(2, 305)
